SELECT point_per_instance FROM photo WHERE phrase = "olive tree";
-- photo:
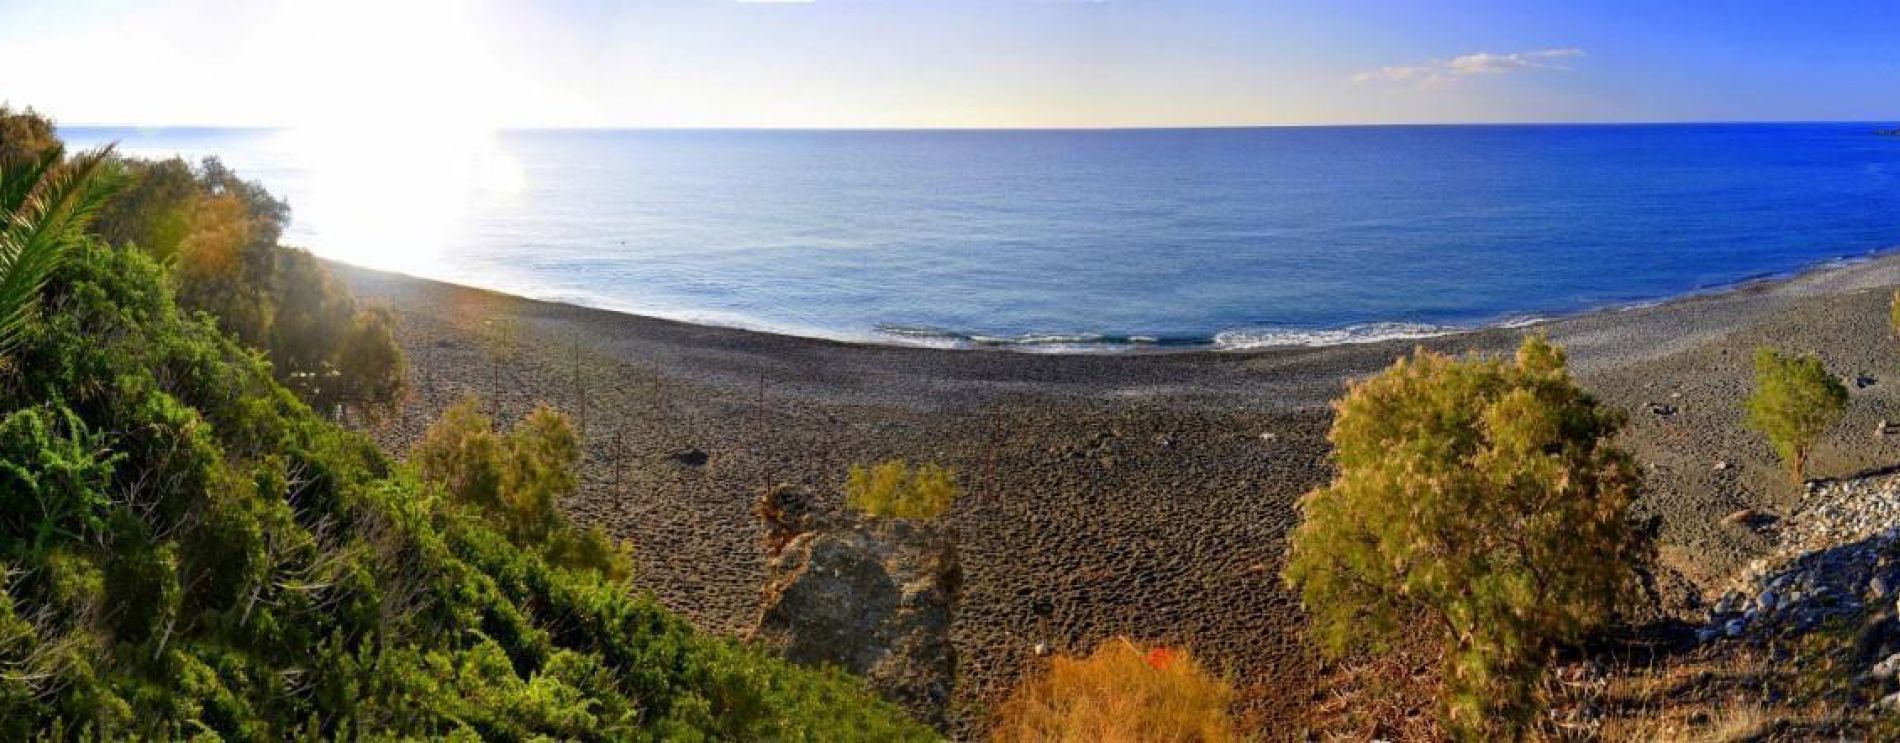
(1478, 502)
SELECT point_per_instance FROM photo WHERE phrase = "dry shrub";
(894, 489)
(1123, 693)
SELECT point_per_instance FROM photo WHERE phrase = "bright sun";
(394, 126)
(399, 198)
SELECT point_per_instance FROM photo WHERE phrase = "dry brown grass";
(1733, 722)
(1392, 696)
(1122, 693)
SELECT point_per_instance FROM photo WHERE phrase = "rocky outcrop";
(872, 596)
(1838, 554)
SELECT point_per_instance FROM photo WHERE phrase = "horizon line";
(1034, 128)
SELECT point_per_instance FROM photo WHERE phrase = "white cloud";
(1441, 71)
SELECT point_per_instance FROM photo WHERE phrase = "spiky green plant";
(45, 201)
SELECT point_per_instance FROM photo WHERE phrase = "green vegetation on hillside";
(1479, 503)
(516, 481)
(1794, 402)
(217, 235)
(188, 550)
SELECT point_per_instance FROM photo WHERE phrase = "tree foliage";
(25, 135)
(1121, 693)
(1794, 402)
(1477, 500)
(895, 489)
(220, 236)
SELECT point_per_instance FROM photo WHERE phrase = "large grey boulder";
(873, 596)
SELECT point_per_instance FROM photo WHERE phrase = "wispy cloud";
(1442, 71)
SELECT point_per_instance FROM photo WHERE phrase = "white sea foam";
(1364, 333)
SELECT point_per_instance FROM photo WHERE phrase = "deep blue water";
(1236, 236)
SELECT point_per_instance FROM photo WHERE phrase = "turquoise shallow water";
(1087, 239)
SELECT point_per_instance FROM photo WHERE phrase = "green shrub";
(54, 474)
(1794, 402)
(1479, 501)
(516, 481)
(370, 369)
(896, 490)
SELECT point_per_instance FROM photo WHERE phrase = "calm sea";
(1069, 239)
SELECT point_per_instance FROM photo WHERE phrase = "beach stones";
(1885, 669)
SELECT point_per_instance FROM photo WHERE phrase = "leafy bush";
(896, 490)
(1121, 692)
(1794, 402)
(1479, 501)
(517, 482)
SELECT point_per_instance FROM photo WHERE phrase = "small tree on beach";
(1479, 501)
(1794, 402)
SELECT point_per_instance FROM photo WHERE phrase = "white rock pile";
(1838, 553)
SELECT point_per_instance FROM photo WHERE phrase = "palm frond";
(48, 205)
(19, 177)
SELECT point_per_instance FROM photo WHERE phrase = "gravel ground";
(1146, 494)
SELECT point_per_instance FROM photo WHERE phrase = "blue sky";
(955, 63)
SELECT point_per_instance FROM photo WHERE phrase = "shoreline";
(1144, 494)
(1109, 343)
